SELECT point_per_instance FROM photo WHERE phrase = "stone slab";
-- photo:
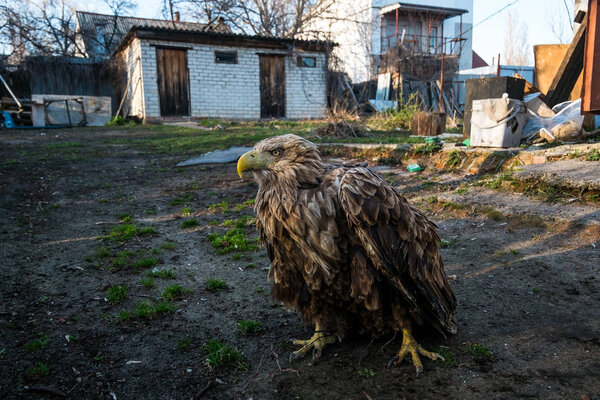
(570, 173)
(217, 157)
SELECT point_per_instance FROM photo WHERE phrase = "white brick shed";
(186, 73)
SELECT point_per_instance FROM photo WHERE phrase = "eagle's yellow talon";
(316, 343)
(410, 345)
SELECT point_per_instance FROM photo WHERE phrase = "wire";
(491, 15)
(568, 13)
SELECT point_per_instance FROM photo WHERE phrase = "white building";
(191, 73)
(366, 29)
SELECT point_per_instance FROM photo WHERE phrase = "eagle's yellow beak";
(249, 161)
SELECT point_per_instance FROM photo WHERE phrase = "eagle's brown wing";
(402, 243)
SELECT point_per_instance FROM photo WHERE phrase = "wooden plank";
(569, 69)
(590, 101)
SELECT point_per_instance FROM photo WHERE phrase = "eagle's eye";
(276, 153)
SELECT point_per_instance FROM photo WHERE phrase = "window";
(307, 62)
(226, 57)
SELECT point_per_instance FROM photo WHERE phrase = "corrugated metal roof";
(102, 33)
(135, 30)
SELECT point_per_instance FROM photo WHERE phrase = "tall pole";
(442, 85)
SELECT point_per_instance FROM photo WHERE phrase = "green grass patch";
(189, 223)
(478, 350)
(62, 145)
(249, 327)
(222, 206)
(116, 294)
(40, 369)
(216, 285)
(103, 252)
(144, 263)
(449, 359)
(446, 243)
(183, 198)
(37, 344)
(162, 273)
(221, 354)
(126, 232)
(184, 344)
(186, 211)
(427, 149)
(455, 158)
(167, 246)
(172, 292)
(366, 373)
(150, 309)
(495, 215)
(232, 240)
(124, 316)
(593, 155)
(147, 282)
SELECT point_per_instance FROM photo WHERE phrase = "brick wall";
(232, 90)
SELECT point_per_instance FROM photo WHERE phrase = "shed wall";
(232, 90)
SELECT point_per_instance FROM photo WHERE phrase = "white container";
(497, 122)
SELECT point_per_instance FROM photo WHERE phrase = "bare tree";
(282, 18)
(516, 44)
(44, 27)
(557, 21)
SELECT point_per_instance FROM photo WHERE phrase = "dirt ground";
(528, 287)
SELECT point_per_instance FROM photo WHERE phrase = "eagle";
(347, 251)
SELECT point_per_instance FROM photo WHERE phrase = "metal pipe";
(11, 93)
(442, 86)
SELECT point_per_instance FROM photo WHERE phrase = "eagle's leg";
(410, 345)
(316, 343)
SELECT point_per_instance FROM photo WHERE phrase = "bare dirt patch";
(82, 217)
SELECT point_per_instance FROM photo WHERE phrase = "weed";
(366, 373)
(149, 230)
(222, 206)
(186, 211)
(119, 121)
(182, 199)
(250, 266)
(40, 369)
(103, 252)
(514, 252)
(247, 203)
(221, 354)
(37, 344)
(216, 285)
(232, 240)
(446, 243)
(593, 155)
(427, 149)
(123, 316)
(213, 222)
(148, 309)
(449, 359)
(478, 350)
(536, 290)
(123, 233)
(462, 190)
(144, 263)
(168, 246)
(150, 211)
(249, 327)
(431, 200)
(174, 291)
(454, 206)
(402, 116)
(455, 158)
(125, 218)
(184, 344)
(259, 290)
(147, 282)
(189, 223)
(116, 294)
(162, 273)
(155, 251)
(496, 183)
(495, 215)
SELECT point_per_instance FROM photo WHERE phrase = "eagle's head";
(286, 157)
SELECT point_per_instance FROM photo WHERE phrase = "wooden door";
(272, 86)
(173, 82)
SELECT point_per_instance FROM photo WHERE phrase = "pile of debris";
(341, 128)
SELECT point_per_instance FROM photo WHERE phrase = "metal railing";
(422, 44)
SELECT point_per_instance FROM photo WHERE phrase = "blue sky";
(488, 38)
